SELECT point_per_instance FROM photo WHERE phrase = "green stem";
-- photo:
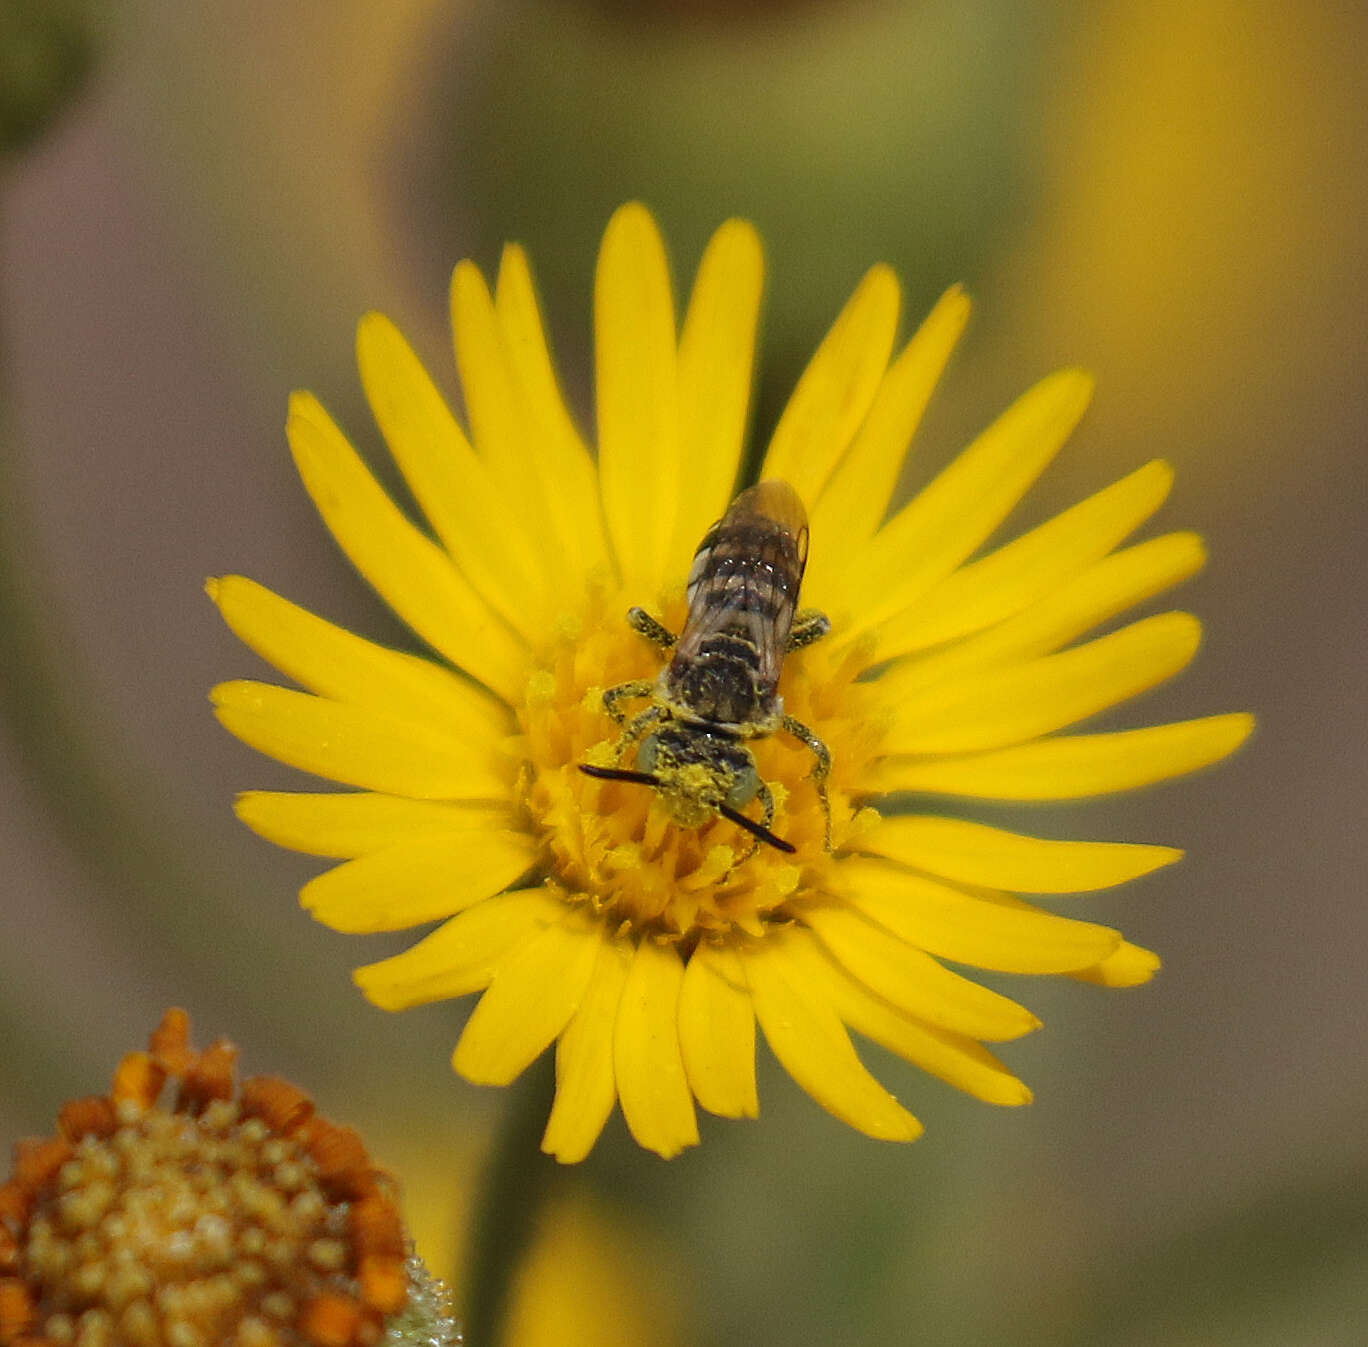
(518, 1182)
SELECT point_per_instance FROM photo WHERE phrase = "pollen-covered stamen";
(616, 845)
(215, 1217)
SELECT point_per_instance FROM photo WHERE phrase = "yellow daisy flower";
(586, 916)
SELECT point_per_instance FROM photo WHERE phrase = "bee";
(720, 687)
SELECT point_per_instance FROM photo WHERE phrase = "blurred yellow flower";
(647, 951)
(590, 1278)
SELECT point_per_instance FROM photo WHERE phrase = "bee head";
(697, 775)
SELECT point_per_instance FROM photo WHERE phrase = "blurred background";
(198, 203)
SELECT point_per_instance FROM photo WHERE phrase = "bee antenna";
(619, 774)
(755, 829)
(727, 812)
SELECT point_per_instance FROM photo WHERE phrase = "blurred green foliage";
(46, 54)
(849, 133)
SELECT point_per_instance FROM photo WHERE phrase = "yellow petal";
(953, 1058)
(1034, 565)
(410, 572)
(1101, 592)
(420, 879)
(1010, 705)
(807, 1036)
(652, 1085)
(460, 956)
(347, 825)
(638, 417)
(717, 1033)
(973, 853)
(487, 388)
(1072, 766)
(557, 456)
(951, 924)
(912, 980)
(957, 1061)
(335, 663)
(856, 497)
(537, 987)
(934, 533)
(543, 483)
(1129, 966)
(835, 392)
(1126, 966)
(716, 354)
(356, 746)
(481, 526)
(585, 1085)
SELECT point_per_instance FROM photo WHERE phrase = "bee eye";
(648, 752)
(743, 787)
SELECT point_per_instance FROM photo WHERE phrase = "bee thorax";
(719, 684)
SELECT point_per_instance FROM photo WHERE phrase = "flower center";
(621, 847)
(180, 1212)
(165, 1232)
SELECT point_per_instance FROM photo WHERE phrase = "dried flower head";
(179, 1210)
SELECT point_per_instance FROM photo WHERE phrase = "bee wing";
(777, 503)
(746, 576)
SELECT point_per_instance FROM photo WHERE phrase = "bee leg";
(821, 771)
(766, 797)
(625, 692)
(645, 625)
(808, 626)
(638, 726)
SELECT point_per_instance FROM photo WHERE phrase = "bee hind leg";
(645, 625)
(822, 768)
(808, 626)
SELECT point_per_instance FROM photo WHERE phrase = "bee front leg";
(766, 797)
(625, 692)
(645, 625)
(637, 727)
(821, 770)
(641, 722)
(808, 626)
